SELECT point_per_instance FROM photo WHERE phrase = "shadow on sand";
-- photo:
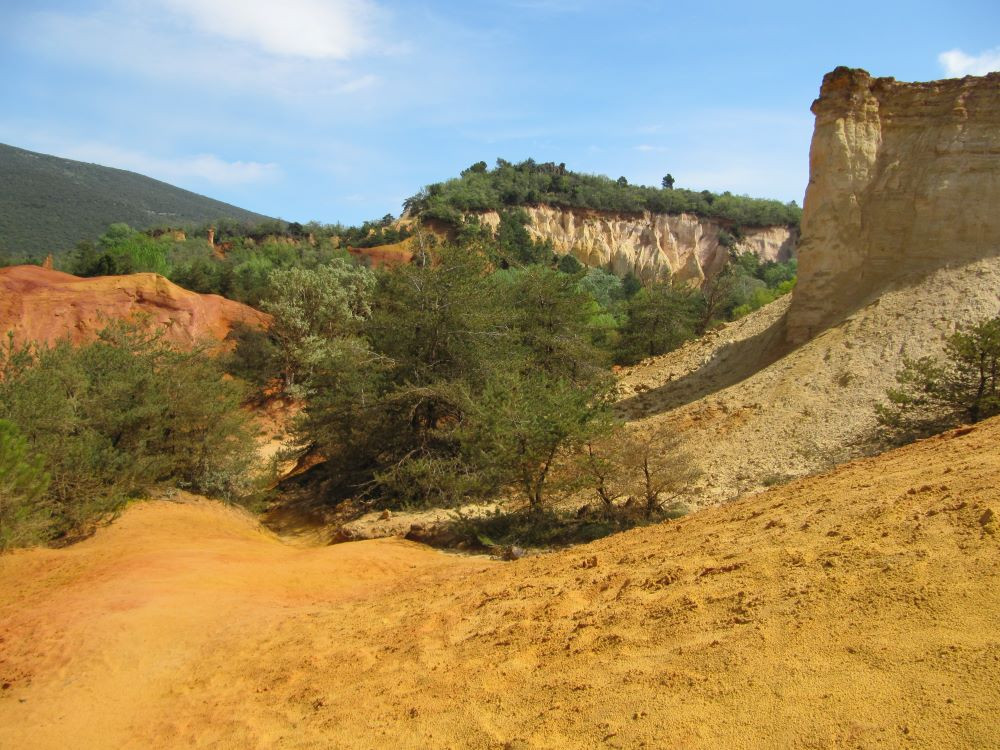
(728, 365)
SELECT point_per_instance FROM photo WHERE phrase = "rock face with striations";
(649, 245)
(904, 177)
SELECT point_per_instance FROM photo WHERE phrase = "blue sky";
(337, 110)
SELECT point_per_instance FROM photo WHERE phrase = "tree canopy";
(529, 183)
(933, 394)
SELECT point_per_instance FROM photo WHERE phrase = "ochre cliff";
(43, 305)
(649, 245)
(900, 246)
(904, 177)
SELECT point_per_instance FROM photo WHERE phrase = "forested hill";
(530, 183)
(48, 204)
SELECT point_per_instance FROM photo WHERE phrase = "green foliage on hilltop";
(49, 204)
(121, 250)
(111, 420)
(933, 394)
(529, 183)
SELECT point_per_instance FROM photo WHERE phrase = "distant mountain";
(48, 204)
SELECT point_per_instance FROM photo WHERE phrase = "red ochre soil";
(43, 305)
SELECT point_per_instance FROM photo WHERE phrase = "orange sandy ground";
(855, 609)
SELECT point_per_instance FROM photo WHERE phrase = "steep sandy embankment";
(900, 244)
(857, 609)
(40, 304)
(649, 245)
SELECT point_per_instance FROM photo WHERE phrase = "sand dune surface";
(853, 609)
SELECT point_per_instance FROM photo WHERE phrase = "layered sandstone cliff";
(900, 245)
(649, 245)
(43, 305)
(904, 177)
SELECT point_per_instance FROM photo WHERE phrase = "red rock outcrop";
(386, 256)
(43, 305)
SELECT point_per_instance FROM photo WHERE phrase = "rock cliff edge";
(651, 246)
(904, 177)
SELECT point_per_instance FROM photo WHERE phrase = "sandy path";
(856, 609)
(101, 631)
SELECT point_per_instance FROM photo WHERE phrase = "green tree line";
(482, 368)
(529, 183)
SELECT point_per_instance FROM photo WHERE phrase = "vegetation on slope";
(529, 183)
(48, 204)
(82, 429)
(479, 370)
(457, 380)
(934, 394)
(436, 383)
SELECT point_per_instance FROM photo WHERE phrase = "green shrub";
(660, 318)
(23, 481)
(569, 264)
(112, 419)
(935, 394)
(460, 381)
(120, 250)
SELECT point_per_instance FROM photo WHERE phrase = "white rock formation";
(649, 245)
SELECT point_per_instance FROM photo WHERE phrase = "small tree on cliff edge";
(933, 395)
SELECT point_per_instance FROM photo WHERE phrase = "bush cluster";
(453, 380)
(82, 429)
(933, 394)
(239, 264)
(435, 383)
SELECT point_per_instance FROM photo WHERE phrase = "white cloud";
(646, 147)
(311, 29)
(207, 168)
(357, 84)
(199, 49)
(957, 63)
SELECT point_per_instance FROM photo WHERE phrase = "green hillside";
(48, 204)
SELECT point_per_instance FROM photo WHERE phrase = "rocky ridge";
(900, 244)
(42, 305)
(649, 245)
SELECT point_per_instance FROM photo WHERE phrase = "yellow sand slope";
(855, 609)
